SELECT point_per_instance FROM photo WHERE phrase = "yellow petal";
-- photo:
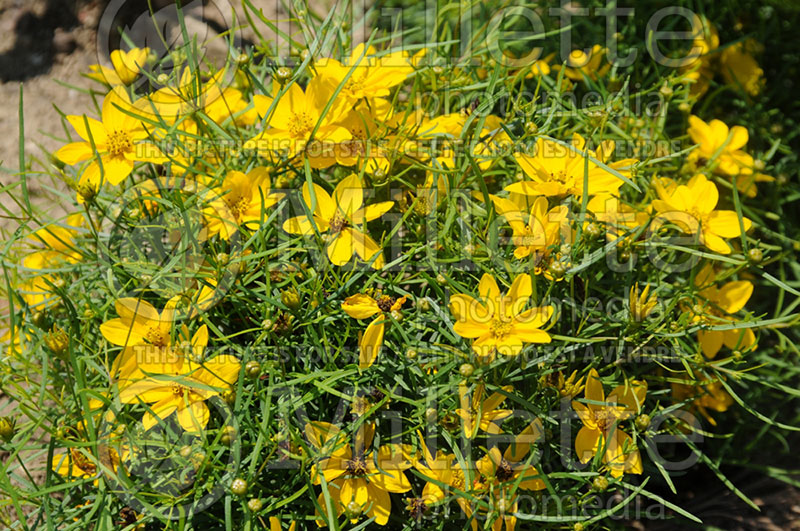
(371, 342)
(587, 443)
(710, 342)
(340, 249)
(360, 306)
(734, 295)
(594, 388)
(349, 195)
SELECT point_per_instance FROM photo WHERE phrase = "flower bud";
(252, 369)
(57, 341)
(431, 415)
(229, 397)
(283, 74)
(291, 298)
(255, 505)
(642, 422)
(6, 428)
(353, 510)
(755, 255)
(239, 486)
(600, 484)
(228, 435)
(466, 370)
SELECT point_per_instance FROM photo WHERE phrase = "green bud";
(642, 422)
(252, 369)
(239, 487)
(600, 484)
(6, 428)
(755, 255)
(291, 298)
(283, 74)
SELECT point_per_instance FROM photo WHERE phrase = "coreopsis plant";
(395, 279)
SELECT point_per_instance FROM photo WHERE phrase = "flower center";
(355, 85)
(119, 143)
(560, 176)
(338, 223)
(356, 467)
(156, 337)
(301, 123)
(82, 462)
(177, 389)
(237, 206)
(416, 508)
(500, 328)
(457, 480)
(603, 420)
(504, 471)
(385, 303)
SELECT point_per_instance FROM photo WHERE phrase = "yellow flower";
(739, 67)
(359, 481)
(429, 196)
(362, 306)
(342, 217)
(292, 119)
(139, 323)
(57, 246)
(705, 395)
(545, 230)
(567, 387)
(619, 218)
(117, 139)
(509, 467)
(477, 413)
(640, 304)
(718, 143)
(370, 76)
(580, 64)
(444, 469)
(184, 389)
(499, 323)
(600, 430)
(242, 203)
(191, 93)
(718, 304)
(558, 170)
(78, 463)
(127, 66)
(721, 148)
(692, 206)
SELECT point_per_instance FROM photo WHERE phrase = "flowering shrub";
(448, 284)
